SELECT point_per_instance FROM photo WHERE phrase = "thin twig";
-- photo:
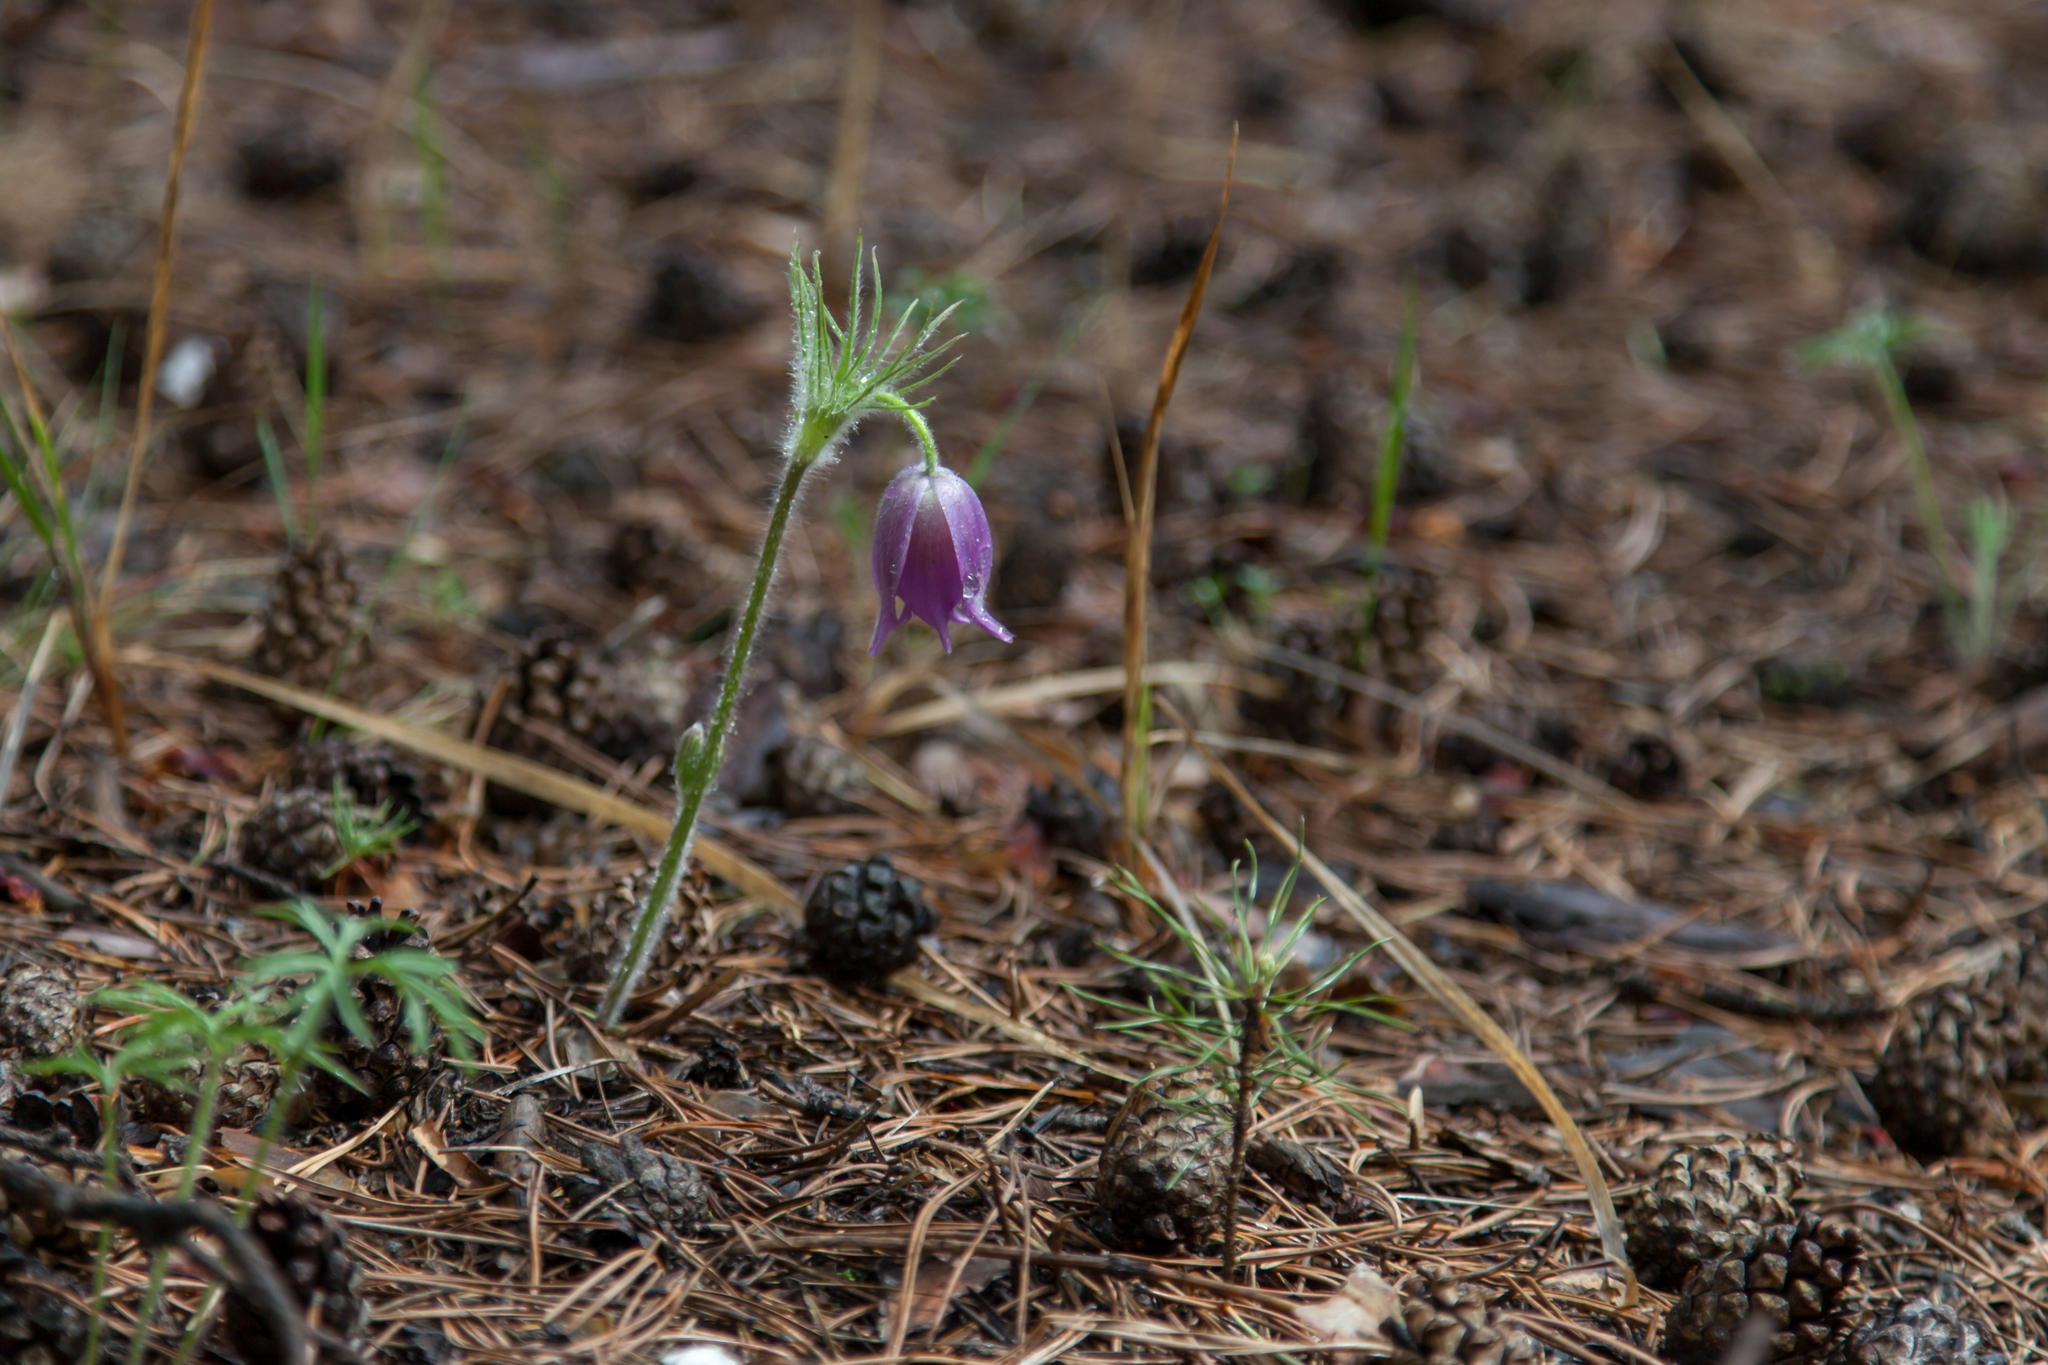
(153, 346)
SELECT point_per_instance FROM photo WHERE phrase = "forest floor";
(1661, 622)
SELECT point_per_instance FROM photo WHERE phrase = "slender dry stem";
(1138, 547)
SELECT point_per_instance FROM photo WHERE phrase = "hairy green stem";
(919, 428)
(195, 1147)
(697, 764)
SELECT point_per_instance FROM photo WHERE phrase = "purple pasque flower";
(934, 555)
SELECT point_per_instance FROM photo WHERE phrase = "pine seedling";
(363, 833)
(1231, 1017)
(1393, 447)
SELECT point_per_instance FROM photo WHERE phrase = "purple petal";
(933, 551)
(930, 585)
(895, 519)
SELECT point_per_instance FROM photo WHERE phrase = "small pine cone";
(310, 1250)
(1801, 1277)
(42, 1011)
(291, 836)
(1939, 1081)
(1649, 769)
(806, 776)
(1068, 819)
(311, 616)
(1308, 707)
(1407, 610)
(40, 1321)
(663, 1195)
(602, 703)
(863, 922)
(248, 1088)
(373, 774)
(1165, 1164)
(394, 1066)
(590, 933)
(1707, 1201)
(647, 556)
(1923, 1332)
(1445, 1322)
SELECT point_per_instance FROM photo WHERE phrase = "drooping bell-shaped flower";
(934, 555)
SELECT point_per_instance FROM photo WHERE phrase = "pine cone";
(1923, 1332)
(373, 774)
(248, 1088)
(647, 556)
(806, 776)
(590, 933)
(1649, 769)
(1068, 819)
(311, 616)
(1165, 1164)
(41, 1322)
(291, 836)
(663, 1194)
(310, 1251)
(1307, 707)
(1707, 1201)
(42, 1011)
(613, 706)
(863, 922)
(1939, 1079)
(1407, 610)
(394, 1066)
(1801, 1277)
(1445, 1322)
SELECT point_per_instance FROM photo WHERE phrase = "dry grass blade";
(856, 125)
(1020, 698)
(520, 774)
(1138, 551)
(153, 347)
(1454, 998)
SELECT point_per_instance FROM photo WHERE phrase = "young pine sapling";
(1231, 1021)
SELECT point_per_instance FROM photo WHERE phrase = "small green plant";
(285, 1004)
(1975, 613)
(1232, 1017)
(363, 833)
(1393, 446)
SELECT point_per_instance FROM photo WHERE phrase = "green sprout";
(286, 1004)
(1975, 617)
(363, 833)
(1393, 446)
(1230, 1016)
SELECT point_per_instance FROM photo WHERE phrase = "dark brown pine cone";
(393, 1066)
(1801, 1277)
(648, 556)
(1923, 1332)
(1939, 1081)
(42, 1011)
(40, 1320)
(1706, 1201)
(291, 837)
(311, 1252)
(1407, 611)
(863, 921)
(590, 932)
(310, 619)
(1164, 1170)
(1303, 1172)
(629, 711)
(1445, 1322)
(1649, 769)
(373, 774)
(1068, 819)
(1307, 707)
(663, 1195)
